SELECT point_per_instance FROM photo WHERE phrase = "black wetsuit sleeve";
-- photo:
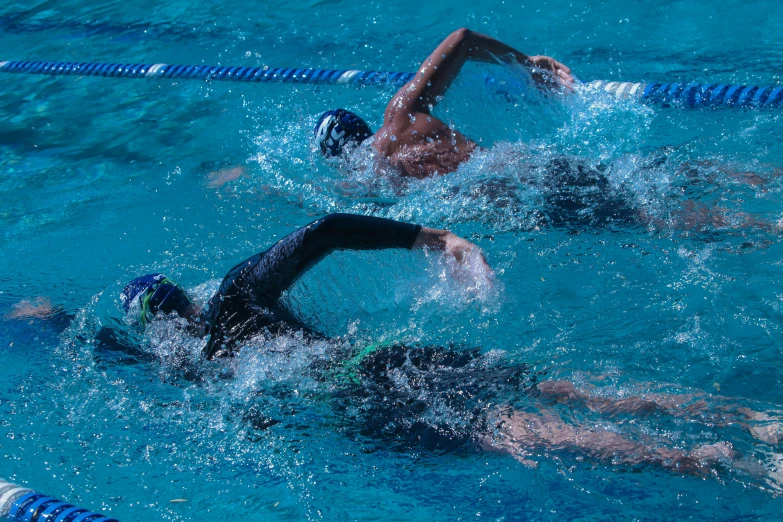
(293, 255)
(352, 232)
(249, 296)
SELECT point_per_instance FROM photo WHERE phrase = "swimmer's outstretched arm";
(439, 70)
(267, 276)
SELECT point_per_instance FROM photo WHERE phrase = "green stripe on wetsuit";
(350, 368)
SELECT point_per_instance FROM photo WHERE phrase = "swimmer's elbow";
(328, 228)
(462, 32)
(460, 35)
(333, 220)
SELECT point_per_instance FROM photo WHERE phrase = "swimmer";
(247, 301)
(411, 138)
(366, 380)
(575, 193)
(448, 400)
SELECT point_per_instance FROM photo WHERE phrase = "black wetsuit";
(430, 398)
(395, 396)
(248, 299)
(400, 396)
(578, 195)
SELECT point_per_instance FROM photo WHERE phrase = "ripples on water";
(659, 277)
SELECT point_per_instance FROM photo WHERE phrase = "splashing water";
(636, 254)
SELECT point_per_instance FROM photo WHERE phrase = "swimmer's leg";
(695, 172)
(566, 392)
(521, 434)
(764, 427)
(698, 217)
(701, 407)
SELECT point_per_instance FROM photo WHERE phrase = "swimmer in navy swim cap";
(156, 293)
(575, 193)
(411, 138)
(248, 299)
(338, 128)
(366, 379)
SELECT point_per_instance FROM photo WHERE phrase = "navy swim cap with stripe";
(337, 128)
(155, 293)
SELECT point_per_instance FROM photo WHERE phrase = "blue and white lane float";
(18, 504)
(684, 94)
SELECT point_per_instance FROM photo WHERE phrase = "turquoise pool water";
(103, 179)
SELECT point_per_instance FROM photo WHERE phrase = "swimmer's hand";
(549, 72)
(38, 308)
(448, 243)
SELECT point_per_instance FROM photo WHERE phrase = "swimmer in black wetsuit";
(248, 299)
(473, 386)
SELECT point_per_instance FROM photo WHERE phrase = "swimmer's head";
(335, 129)
(156, 293)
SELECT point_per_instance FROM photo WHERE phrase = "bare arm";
(439, 70)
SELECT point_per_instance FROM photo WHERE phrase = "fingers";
(470, 255)
(561, 72)
(564, 74)
(464, 252)
(567, 82)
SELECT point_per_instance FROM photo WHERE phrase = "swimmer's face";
(338, 128)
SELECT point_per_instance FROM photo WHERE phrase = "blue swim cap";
(155, 293)
(338, 127)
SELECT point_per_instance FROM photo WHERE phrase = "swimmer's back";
(430, 398)
(423, 146)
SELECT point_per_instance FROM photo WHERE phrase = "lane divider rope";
(19, 504)
(685, 94)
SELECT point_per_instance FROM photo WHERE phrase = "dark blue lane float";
(682, 94)
(207, 72)
(19, 504)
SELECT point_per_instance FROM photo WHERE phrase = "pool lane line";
(206, 72)
(680, 94)
(19, 504)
